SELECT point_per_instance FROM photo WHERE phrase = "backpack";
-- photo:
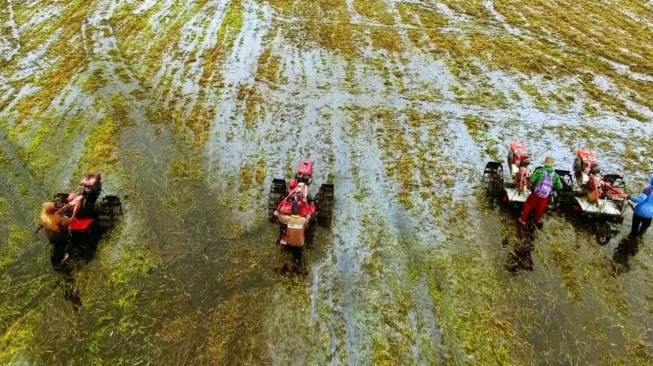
(544, 188)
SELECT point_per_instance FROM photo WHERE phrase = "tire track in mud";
(144, 164)
(9, 42)
(150, 152)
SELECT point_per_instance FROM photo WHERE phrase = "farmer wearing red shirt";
(544, 181)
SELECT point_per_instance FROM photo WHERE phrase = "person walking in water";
(294, 236)
(544, 181)
(643, 211)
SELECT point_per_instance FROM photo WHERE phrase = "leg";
(637, 220)
(540, 208)
(297, 254)
(645, 224)
(282, 234)
(528, 207)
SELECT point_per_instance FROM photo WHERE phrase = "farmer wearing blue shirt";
(643, 212)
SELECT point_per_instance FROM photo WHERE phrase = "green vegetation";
(478, 129)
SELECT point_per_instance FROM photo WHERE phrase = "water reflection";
(80, 253)
(628, 247)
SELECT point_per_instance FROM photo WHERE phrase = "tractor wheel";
(324, 204)
(603, 232)
(577, 172)
(278, 191)
(310, 233)
(511, 156)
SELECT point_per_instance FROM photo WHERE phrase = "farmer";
(297, 224)
(543, 182)
(648, 190)
(55, 227)
(643, 211)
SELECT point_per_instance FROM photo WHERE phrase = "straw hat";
(548, 161)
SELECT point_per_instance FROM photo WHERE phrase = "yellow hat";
(548, 161)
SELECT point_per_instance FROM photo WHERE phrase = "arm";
(638, 199)
(538, 175)
(64, 220)
(557, 182)
(283, 218)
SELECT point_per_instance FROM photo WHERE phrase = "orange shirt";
(53, 224)
(296, 227)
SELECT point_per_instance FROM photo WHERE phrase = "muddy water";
(203, 107)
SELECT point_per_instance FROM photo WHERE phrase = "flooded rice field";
(191, 108)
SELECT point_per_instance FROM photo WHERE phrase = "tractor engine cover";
(519, 152)
(305, 168)
(91, 180)
(587, 158)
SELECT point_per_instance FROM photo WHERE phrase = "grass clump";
(17, 339)
(269, 69)
(99, 152)
(420, 16)
(199, 121)
(374, 9)
(252, 172)
(386, 39)
(5, 161)
(134, 262)
(478, 129)
(94, 81)
(253, 101)
(186, 170)
(538, 99)
(229, 29)
(475, 125)
(123, 75)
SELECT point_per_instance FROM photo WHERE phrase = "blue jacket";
(644, 206)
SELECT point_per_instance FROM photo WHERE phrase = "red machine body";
(587, 159)
(297, 193)
(91, 180)
(524, 178)
(603, 190)
(283, 193)
(80, 224)
(89, 189)
(305, 168)
(519, 152)
(305, 209)
(518, 165)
